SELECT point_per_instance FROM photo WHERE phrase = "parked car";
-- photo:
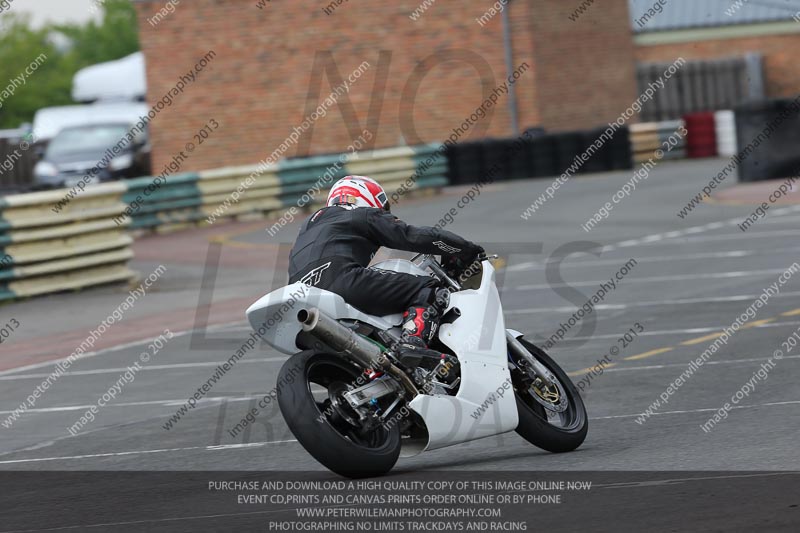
(75, 151)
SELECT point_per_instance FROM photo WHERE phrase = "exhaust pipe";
(341, 339)
(345, 341)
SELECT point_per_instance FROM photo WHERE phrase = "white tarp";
(121, 79)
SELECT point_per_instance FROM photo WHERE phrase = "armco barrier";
(305, 181)
(402, 169)
(648, 137)
(154, 202)
(218, 189)
(235, 191)
(46, 250)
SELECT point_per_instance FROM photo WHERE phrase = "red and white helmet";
(358, 191)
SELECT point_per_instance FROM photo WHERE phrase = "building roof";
(688, 14)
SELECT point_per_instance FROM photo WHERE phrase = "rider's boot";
(419, 325)
(420, 322)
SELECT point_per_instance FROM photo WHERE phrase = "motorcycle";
(357, 397)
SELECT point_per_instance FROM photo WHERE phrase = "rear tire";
(533, 425)
(340, 447)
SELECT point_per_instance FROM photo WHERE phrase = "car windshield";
(95, 138)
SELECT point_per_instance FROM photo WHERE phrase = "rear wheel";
(310, 399)
(552, 418)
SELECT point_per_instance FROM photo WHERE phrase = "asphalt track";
(691, 279)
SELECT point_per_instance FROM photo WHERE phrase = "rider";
(337, 242)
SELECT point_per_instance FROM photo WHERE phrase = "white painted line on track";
(703, 410)
(682, 301)
(574, 261)
(181, 401)
(656, 333)
(650, 483)
(14, 377)
(116, 348)
(724, 237)
(684, 364)
(225, 447)
(142, 452)
(651, 279)
(660, 238)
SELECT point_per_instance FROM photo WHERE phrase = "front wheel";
(551, 418)
(310, 402)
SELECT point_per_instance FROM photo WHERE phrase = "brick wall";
(781, 73)
(585, 67)
(264, 80)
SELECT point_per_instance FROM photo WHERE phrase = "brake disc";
(552, 399)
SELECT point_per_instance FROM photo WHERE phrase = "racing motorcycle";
(356, 396)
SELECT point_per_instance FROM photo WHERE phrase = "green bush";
(51, 84)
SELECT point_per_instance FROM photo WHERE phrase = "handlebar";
(430, 261)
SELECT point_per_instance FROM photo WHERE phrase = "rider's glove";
(454, 265)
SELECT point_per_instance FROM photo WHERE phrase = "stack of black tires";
(536, 154)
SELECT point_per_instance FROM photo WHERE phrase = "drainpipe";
(512, 95)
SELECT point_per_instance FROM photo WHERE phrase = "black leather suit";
(336, 244)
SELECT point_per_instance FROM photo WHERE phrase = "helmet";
(358, 191)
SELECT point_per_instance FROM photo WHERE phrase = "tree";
(50, 84)
(116, 36)
(23, 94)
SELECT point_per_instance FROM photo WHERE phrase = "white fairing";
(276, 313)
(482, 407)
(484, 404)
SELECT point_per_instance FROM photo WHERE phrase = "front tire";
(534, 424)
(333, 441)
